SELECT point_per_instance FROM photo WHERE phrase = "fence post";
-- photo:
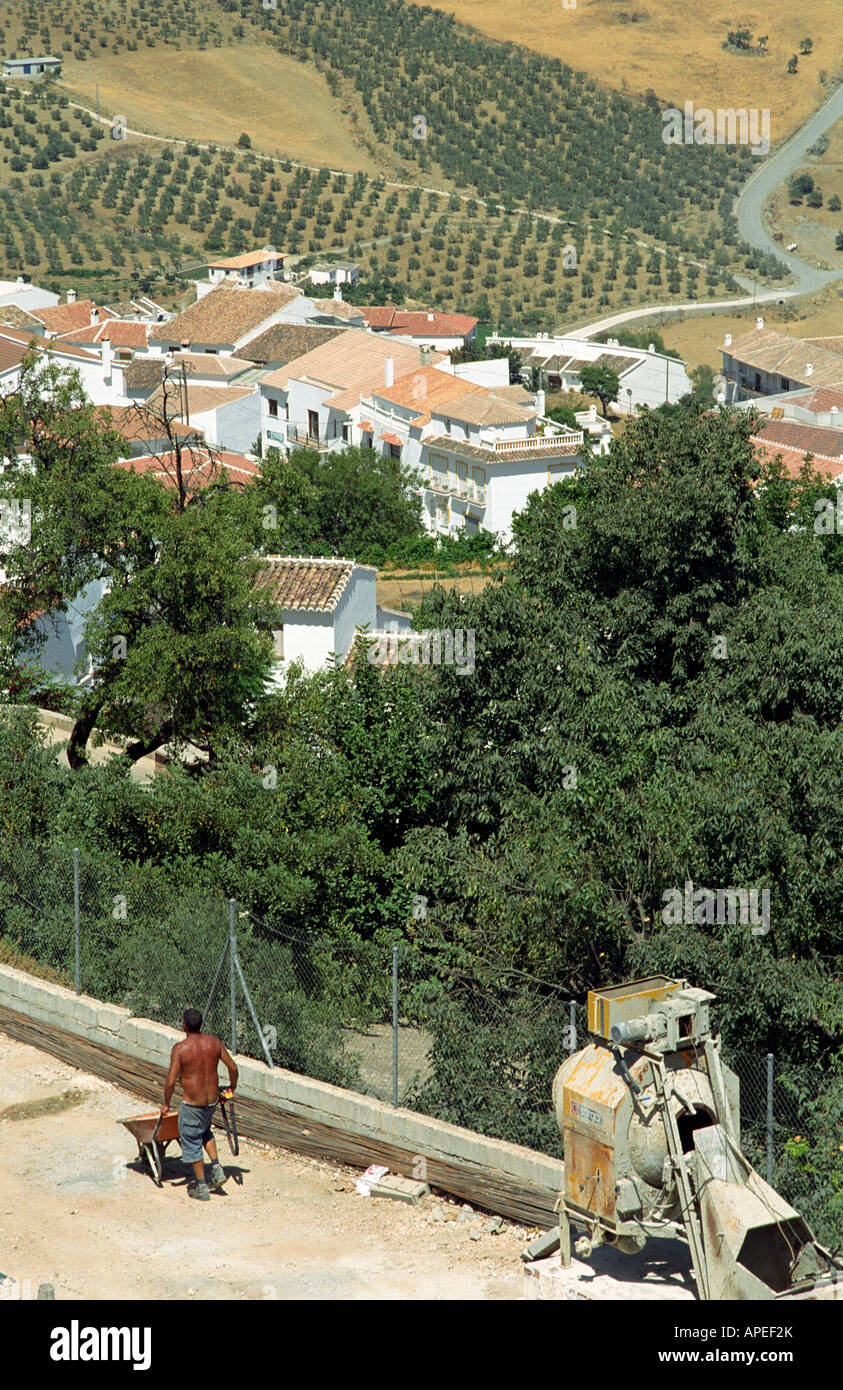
(77, 924)
(232, 961)
(395, 1026)
(572, 1011)
(770, 1118)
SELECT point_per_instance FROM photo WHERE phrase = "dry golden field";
(676, 48)
(216, 95)
(700, 336)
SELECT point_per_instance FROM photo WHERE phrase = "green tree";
(601, 382)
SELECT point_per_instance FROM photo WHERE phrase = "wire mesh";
(476, 1047)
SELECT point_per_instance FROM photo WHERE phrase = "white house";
(101, 375)
(765, 362)
(248, 271)
(226, 318)
(478, 451)
(24, 295)
(320, 605)
(646, 377)
(229, 417)
(334, 273)
(314, 401)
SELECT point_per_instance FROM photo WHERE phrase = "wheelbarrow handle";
(156, 1129)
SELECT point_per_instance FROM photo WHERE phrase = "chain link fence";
(477, 1048)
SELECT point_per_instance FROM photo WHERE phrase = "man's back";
(200, 1055)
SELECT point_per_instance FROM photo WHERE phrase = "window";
(273, 407)
(479, 481)
(395, 451)
(313, 423)
(346, 433)
(447, 427)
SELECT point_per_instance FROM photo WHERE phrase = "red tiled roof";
(26, 338)
(305, 583)
(793, 442)
(197, 467)
(121, 333)
(391, 439)
(65, 318)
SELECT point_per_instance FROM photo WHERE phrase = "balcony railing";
(445, 487)
(307, 441)
(569, 440)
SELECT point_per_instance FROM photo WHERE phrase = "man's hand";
(165, 1110)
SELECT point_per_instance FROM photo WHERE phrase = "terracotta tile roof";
(201, 398)
(121, 333)
(349, 364)
(485, 408)
(53, 345)
(423, 389)
(391, 439)
(834, 343)
(338, 309)
(307, 584)
(447, 444)
(16, 317)
(225, 315)
(437, 325)
(769, 351)
(794, 441)
(64, 318)
(416, 323)
(11, 355)
(146, 373)
(285, 341)
(818, 401)
(201, 468)
(379, 316)
(247, 258)
(367, 426)
(136, 424)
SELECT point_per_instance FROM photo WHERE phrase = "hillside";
(677, 50)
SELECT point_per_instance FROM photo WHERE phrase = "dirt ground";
(77, 1211)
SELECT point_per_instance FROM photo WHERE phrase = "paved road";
(748, 209)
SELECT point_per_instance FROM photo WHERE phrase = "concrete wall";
(109, 1040)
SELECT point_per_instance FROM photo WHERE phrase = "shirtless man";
(196, 1061)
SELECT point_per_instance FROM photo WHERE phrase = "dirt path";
(76, 1211)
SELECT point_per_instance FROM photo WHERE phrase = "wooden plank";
(271, 1124)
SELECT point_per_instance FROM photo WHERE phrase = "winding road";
(748, 209)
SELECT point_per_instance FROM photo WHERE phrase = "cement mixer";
(650, 1119)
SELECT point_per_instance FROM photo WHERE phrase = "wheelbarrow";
(152, 1133)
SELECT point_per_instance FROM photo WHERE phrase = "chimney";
(592, 412)
(20, 282)
(430, 318)
(106, 359)
(727, 341)
(809, 370)
(651, 347)
(540, 402)
(389, 371)
(95, 315)
(424, 355)
(834, 413)
(71, 296)
(759, 323)
(338, 293)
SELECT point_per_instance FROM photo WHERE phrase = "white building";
(100, 374)
(647, 377)
(478, 451)
(320, 605)
(33, 68)
(334, 273)
(248, 271)
(314, 401)
(226, 318)
(24, 295)
(765, 362)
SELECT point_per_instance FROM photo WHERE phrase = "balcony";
(567, 441)
(301, 439)
(466, 490)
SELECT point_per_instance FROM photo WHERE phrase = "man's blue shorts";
(194, 1129)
